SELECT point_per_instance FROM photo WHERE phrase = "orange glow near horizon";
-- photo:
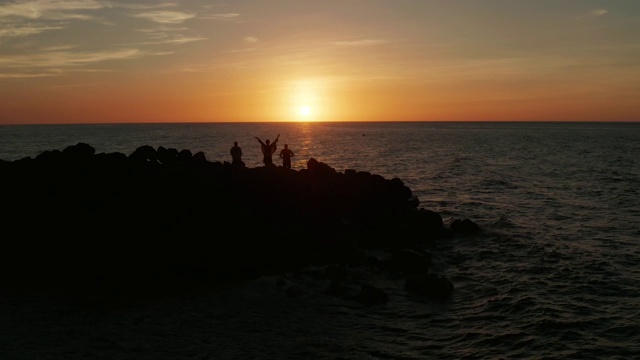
(305, 100)
(214, 61)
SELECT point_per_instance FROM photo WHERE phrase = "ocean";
(554, 275)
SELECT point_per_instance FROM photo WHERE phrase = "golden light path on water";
(306, 142)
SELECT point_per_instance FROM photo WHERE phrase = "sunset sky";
(93, 61)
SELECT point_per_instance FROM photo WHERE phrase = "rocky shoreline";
(163, 220)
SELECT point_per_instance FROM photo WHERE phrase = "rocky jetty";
(80, 221)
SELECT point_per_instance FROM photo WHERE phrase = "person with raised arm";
(268, 149)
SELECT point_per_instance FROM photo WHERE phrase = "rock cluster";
(81, 221)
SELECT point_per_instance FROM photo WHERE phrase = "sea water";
(555, 273)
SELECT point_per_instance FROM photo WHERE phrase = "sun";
(304, 100)
(304, 111)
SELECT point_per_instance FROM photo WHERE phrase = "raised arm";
(276, 140)
(257, 138)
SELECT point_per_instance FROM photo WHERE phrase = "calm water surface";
(554, 276)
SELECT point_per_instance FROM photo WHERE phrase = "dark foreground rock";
(74, 220)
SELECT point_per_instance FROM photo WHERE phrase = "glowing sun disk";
(304, 111)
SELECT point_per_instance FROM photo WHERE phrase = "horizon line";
(317, 122)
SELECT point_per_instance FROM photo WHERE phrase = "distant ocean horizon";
(554, 275)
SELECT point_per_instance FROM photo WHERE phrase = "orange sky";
(291, 60)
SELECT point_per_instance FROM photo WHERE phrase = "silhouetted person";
(236, 154)
(286, 154)
(268, 149)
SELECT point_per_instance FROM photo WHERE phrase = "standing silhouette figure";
(236, 154)
(268, 149)
(286, 154)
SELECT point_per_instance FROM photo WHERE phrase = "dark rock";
(372, 261)
(370, 295)
(49, 156)
(184, 156)
(336, 272)
(129, 218)
(199, 158)
(410, 261)
(167, 156)
(319, 168)
(464, 227)
(429, 285)
(294, 291)
(80, 151)
(335, 288)
(414, 201)
(144, 153)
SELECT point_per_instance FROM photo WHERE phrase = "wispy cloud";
(46, 9)
(177, 40)
(78, 85)
(594, 13)
(226, 16)
(58, 48)
(359, 42)
(26, 30)
(233, 51)
(167, 34)
(40, 73)
(246, 40)
(25, 18)
(165, 16)
(26, 75)
(55, 59)
(148, 6)
(161, 29)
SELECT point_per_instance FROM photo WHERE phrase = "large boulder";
(80, 151)
(145, 153)
(464, 227)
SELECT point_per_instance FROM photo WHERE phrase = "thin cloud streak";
(598, 12)
(58, 48)
(20, 31)
(179, 40)
(162, 29)
(43, 9)
(26, 76)
(147, 7)
(361, 42)
(594, 14)
(163, 35)
(228, 16)
(165, 17)
(66, 58)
